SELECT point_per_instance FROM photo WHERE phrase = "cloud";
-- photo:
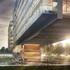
(1, 1)
(6, 8)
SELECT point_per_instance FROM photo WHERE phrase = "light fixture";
(64, 42)
(54, 44)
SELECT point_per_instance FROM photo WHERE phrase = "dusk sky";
(6, 10)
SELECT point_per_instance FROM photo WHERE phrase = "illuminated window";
(66, 6)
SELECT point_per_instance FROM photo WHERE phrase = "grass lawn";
(36, 68)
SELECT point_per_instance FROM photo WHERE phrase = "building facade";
(30, 17)
(30, 27)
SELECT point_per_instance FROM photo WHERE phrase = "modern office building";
(40, 21)
(31, 16)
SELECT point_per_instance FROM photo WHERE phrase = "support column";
(59, 8)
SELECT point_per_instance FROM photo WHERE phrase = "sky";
(6, 11)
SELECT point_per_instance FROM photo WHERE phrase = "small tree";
(2, 50)
(58, 49)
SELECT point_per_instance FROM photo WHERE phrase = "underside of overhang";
(58, 31)
(43, 21)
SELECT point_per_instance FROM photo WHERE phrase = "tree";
(6, 50)
(2, 50)
(48, 49)
(58, 49)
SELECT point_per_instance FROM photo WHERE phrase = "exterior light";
(64, 42)
(43, 55)
(62, 55)
(54, 44)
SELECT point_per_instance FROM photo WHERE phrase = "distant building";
(10, 36)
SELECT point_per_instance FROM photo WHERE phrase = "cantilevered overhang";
(43, 21)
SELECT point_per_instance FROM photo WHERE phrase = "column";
(59, 8)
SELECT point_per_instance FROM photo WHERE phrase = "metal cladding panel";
(44, 20)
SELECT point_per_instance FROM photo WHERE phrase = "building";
(10, 36)
(39, 21)
(29, 14)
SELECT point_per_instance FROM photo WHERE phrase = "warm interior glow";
(43, 55)
(66, 6)
(54, 44)
(64, 42)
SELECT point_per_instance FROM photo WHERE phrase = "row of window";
(23, 12)
(20, 11)
(22, 19)
(66, 6)
(28, 16)
(22, 7)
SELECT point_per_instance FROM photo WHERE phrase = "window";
(66, 6)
